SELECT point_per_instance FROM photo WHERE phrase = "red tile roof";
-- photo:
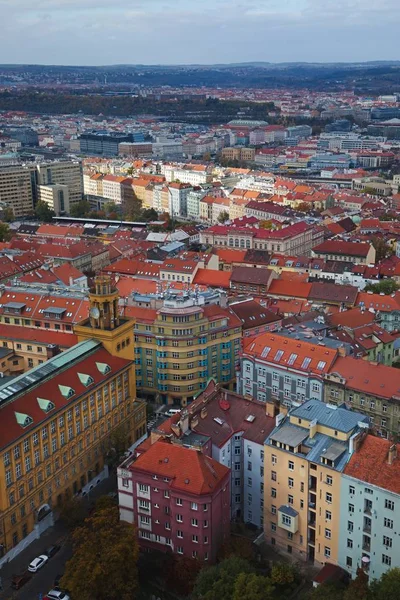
(289, 289)
(367, 377)
(339, 247)
(370, 464)
(210, 278)
(190, 471)
(40, 336)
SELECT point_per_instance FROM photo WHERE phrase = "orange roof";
(279, 287)
(40, 336)
(141, 314)
(211, 278)
(277, 349)
(229, 256)
(352, 318)
(188, 470)
(367, 377)
(293, 276)
(378, 302)
(370, 464)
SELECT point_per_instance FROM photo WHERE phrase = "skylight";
(278, 355)
(292, 359)
(306, 362)
(66, 391)
(265, 352)
(46, 405)
(85, 379)
(103, 368)
(23, 420)
(321, 365)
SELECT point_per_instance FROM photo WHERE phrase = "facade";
(17, 188)
(183, 343)
(178, 498)
(304, 458)
(283, 369)
(178, 195)
(354, 252)
(56, 196)
(63, 173)
(370, 509)
(369, 388)
(239, 153)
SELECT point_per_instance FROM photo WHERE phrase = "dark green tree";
(252, 587)
(80, 209)
(385, 286)
(223, 216)
(43, 212)
(5, 233)
(387, 587)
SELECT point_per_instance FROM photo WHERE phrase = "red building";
(178, 498)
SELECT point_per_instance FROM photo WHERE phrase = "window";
(387, 541)
(273, 509)
(290, 482)
(273, 526)
(179, 518)
(328, 515)
(352, 490)
(286, 520)
(349, 561)
(329, 480)
(386, 560)
(291, 465)
(274, 459)
(179, 502)
(388, 523)
(328, 534)
(350, 526)
(389, 504)
(351, 508)
(349, 543)
(195, 539)
(273, 475)
(166, 494)
(290, 499)
(328, 497)
(194, 522)
(327, 552)
(273, 492)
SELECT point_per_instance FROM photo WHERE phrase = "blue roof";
(288, 510)
(335, 417)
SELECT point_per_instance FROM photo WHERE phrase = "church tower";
(103, 299)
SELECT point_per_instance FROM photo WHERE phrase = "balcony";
(367, 528)
(366, 546)
(312, 486)
(311, 520)
(312, 500)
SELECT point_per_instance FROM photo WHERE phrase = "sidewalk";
(58, 534)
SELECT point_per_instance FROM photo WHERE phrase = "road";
(43, 580)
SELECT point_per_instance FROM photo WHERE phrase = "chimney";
(392, 454)
(313, 428)
(52, 350)
(184, 421)
(203, 413)
(270, 409)
(342, 351)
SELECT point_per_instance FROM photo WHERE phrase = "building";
(369, 508)
(178, 498)
(178, 195)
(63, 173)
(56, 196)
(354, 252)
(113, 188)
(102, 142)
(57, 419)
(17, 189)
(370, 388)
(255, 317)
(182, 343)
(284, 369)
(239, 153)
(251, 280)
(135, 149)
(304, 458)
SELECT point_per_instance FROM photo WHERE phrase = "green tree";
(218, 582)
(104, 561)
(327, 591)
(149, 214)
(382, 249)
(104, 503)
(358, 588)
(8, 214)
(385, 286)
(223, 216)
(80, 209)
(43, 212)
(283, 574)
(387, 587)
(5, 233)
(252, 587)
(72, 512)
(131, 208)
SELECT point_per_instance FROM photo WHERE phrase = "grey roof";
(16, 305)
(54, 310)
(334, 451)
(334, 417)
(288, 510)
(289, 434)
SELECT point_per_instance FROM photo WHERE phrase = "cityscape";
(200, 331)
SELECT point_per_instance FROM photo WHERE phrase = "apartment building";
(178, 498)
(194, 175)
(284, 369)
(370, 509)
(304, 458)
(17, 189)
(112, 188)
(369, 388)
(183, 343)
(56, 197)
(178, 198)
(239, 153)
(360, 253)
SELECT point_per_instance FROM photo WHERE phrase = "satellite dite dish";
(94, 312)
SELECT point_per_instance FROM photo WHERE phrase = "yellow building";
(56, 421)
(304, 457)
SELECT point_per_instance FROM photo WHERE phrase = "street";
(43, 581)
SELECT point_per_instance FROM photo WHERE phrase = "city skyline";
(67, 32)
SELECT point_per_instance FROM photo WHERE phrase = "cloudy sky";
(96, 32)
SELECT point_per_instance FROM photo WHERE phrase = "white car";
(57, 595)
(38, 563)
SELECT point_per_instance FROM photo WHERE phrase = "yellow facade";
(48, 463)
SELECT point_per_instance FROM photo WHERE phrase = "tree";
(131, 208)
(43, 212)
(283, 574)
(110, 207)
(358, 588)
(252, 587)
(385, 286)
(104, 561)
(5, 233)
(181, 573)
(149, 214)
(304, 207)
(104, 503)
(382, 249)
(223, 216)
(327, 591)
(8, 214)
(218, 582)
(80, 209)
(72, 512)
(387, 587)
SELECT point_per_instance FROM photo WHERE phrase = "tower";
(103, 299)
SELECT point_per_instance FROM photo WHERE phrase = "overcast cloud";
(98, 32)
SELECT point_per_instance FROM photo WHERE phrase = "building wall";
(16, 189)
(364, 530)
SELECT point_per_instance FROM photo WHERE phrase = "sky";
(102, 32)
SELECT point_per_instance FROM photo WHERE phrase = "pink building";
(178, 498)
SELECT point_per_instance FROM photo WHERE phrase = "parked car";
(52, 550)
(18, 581)
(38, 563)
(57, 595)
(57, 580)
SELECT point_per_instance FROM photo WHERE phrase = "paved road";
(43, 581)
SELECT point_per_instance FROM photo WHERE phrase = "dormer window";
(103, 368)
(23, 420)
(86, 379)
(46, 405)
(66, 391)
